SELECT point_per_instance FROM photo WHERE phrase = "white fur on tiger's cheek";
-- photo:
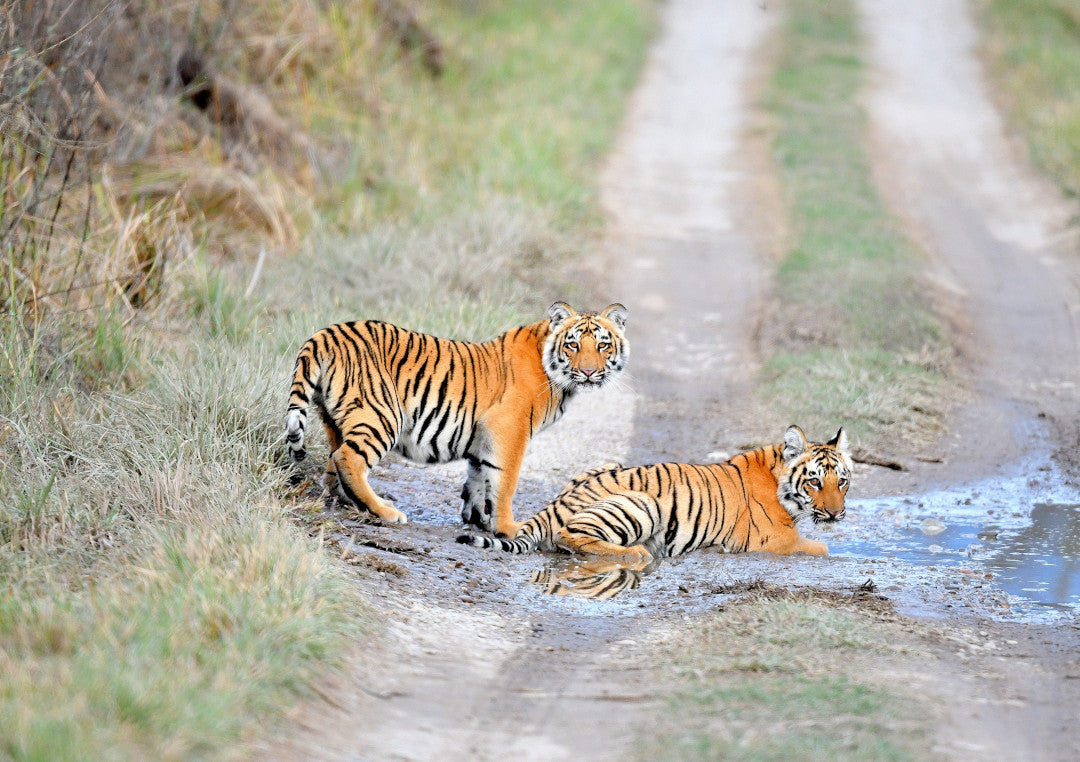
(789, 499)
(557, 367)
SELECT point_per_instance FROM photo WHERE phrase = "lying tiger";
(379, 388)
(751, 502)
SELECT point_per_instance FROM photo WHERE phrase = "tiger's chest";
(542, 417)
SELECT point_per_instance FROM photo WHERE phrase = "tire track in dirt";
(997, 233)
(681, 249)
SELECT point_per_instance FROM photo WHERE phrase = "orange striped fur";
(750, 502)
(379, 388)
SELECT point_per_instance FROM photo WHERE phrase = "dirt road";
(470, 659)
(997, 239)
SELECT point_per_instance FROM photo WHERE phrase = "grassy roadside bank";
(1033, 55)
(852, 339)
(780, 674)
(157, 599)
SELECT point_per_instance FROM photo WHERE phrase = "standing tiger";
(379, 388)
(750, 502)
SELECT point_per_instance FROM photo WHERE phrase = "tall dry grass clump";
(155, 597)
(124, 146)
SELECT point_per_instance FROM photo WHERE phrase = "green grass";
(793, 718)
(778, 676)
(1033, 48)
(524, 109)
(157, 599)
(850, 315)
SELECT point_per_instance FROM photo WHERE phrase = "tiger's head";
(585, 349)
(815, 477)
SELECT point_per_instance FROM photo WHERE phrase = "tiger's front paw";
(473, 515)
(813, 547)
(477, 510)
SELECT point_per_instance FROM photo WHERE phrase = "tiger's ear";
(840, 441)
(794, 443)
(617, 314)
(559, 312)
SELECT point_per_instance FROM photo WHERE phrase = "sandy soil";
(470, 659)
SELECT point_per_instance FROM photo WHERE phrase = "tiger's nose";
(588, 371)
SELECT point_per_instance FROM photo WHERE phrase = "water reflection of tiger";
(595, 578)
(750, 502)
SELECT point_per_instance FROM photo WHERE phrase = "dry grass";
(98, 135)
(151, 579)
(471, 274)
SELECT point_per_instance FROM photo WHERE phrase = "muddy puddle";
(1015, 537)
(1007, 547)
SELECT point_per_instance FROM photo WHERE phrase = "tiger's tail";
(541, 528)
(305, 384)
(517, 545)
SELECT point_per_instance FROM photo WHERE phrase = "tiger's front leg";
(788, 540)
(509, 435)
(477, 494)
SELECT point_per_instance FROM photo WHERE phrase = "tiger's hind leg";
(616, 527)
(333, 438)
(352, 471)
(366, 435)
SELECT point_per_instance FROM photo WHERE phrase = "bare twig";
(871, 459)
(255, 275)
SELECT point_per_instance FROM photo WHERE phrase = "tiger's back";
(417, 394)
